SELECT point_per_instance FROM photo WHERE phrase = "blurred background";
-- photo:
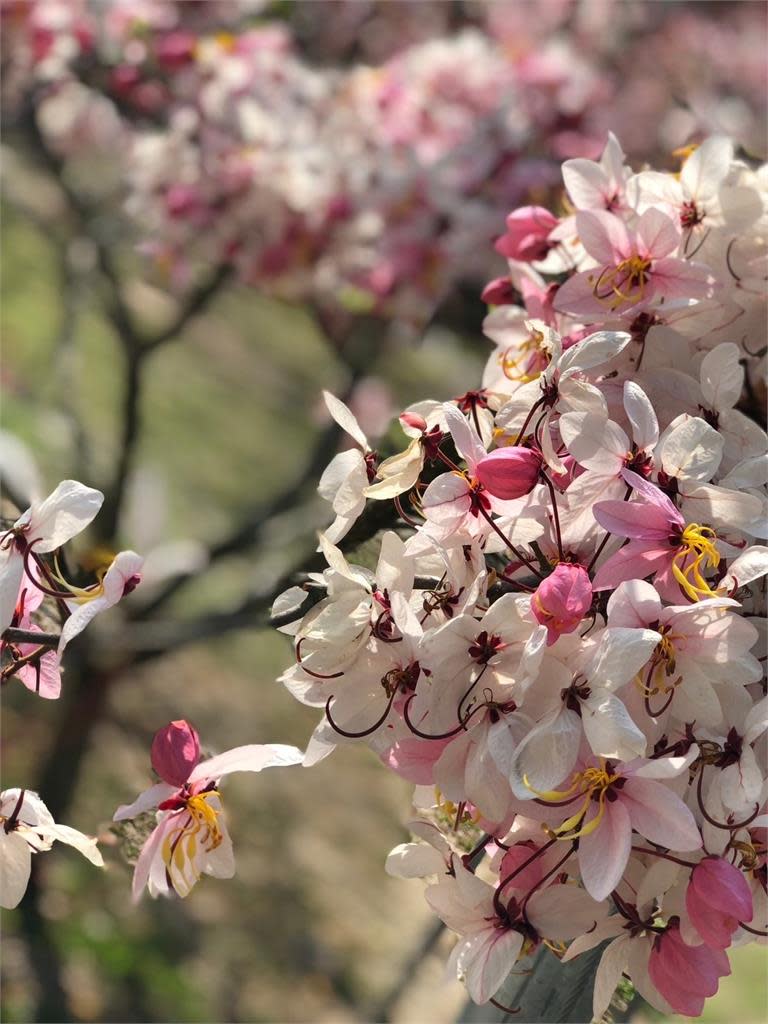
(212, 210)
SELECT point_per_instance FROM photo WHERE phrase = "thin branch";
(29, 636)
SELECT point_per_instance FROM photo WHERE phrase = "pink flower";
(175, 752)
(509, 473)
(685, 975)
(562, 600)
(634, 266)
(615, 801)
(717, 899)
(527, 231)
(191, 837)
(660, 542)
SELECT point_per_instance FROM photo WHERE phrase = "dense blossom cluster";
(559, 643)
(377, 186)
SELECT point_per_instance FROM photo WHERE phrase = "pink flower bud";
(527, 232)
(509, 472)
(499, 292)
(412, 419)
(716, 899)
(175, 752)
(562, 600)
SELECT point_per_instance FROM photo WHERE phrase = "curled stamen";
(365, 732)
(440, 735)
(731, 271)
(503, 1008)
(403, 514)
(754, 931)
(309, 671)
(721, 824)
(497, 904)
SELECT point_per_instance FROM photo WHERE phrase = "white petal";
(560, 912)
(79, 619)
(345, 419)
(82, 843)
(11, 574)
(609, 929)
(547, 754)
(145, 801)
(63, 514)
(645, 426)
(609, 728)
(597, 443)
(592, 351)
(722, 377)
(707, 503)
(621, 653)
(414, 860)
(689, 449)
(15, 865)
(252, 757)
(608, 975)
(336, 472)
(464, 436)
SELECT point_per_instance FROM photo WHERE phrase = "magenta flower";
(717, 899)
(685, 975)
(510, 472)
(562, 600)
(634, 269)
(660, 542)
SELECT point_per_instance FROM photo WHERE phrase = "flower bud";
(717, 899)
(527, 231)
(562, 600)
(175, 752)
(509, 472)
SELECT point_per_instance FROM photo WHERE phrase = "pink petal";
(603, 854)
(414, 759)
(678, 279)
(659, 814)
(657, 235)
(639, 520)
(715, 929)
(632, 562)
(603, 235)
(722, 886)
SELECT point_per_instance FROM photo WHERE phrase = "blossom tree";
(557, 640)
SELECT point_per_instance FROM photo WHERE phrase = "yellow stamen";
(589, 782)
(80, 594)
(181, 845)
(529, 361)
(625, 282)
(683, 152)
(696, 540)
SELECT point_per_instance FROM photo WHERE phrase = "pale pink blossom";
(191, 836)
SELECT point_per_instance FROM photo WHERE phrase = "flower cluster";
(376, 187)
(27, 577)
(557, 644)
(191, 837)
